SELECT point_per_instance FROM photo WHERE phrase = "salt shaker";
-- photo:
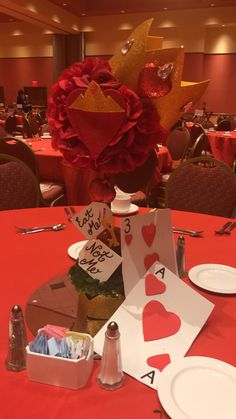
(180, 256)
(16, 357)
(111, 375)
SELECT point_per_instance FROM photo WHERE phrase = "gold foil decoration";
(109, 223)
(94, 100)
(148, 49)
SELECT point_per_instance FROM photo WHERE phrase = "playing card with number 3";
(145, 239)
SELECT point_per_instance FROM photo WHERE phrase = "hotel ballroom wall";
(208, 37)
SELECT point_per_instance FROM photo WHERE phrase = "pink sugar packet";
(54, 331)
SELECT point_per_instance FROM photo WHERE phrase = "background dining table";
(48, 158)
(223, 145)
(53, 167)
(29, 261)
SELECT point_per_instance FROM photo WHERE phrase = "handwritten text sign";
(90, 220)
(98, 260)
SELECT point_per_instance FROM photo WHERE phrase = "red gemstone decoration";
(154, 80)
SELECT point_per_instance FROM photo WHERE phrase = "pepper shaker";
(16, 357)
(180, 256)
(111, 375)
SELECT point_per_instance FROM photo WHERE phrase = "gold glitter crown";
(140, 50)
(94, 100)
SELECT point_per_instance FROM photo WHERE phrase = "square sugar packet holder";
(62, 372)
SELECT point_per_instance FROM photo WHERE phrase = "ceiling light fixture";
(164, 8)
(122, 12)
(83, 14)
(212, 5)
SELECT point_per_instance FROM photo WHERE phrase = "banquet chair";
(52, 193)
(27, 130)
(203, 185)
(35, 122)
(224, 125)
(18, 185)
(232, 124)
(199, 148)
(178, 145)
(11, 125)
(195, 131)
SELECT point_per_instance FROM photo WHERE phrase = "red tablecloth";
(223, 146)
(77, 181)
(29, 261)
(48, 158)
(52, 167)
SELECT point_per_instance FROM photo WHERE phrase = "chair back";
(35, 122)
(178, 143)
(199, 147)
(203, 185)
(232, 124)
(18, 185)
(27, 130)
(195, 131)
(11, 124)
(17, 148)
(224, 125)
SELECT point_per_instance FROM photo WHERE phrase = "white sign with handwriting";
(98, 260)
(90, 220)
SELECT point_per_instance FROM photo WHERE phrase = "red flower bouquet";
(99, 124)
(108, 117)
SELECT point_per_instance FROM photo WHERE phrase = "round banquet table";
(28, 261)
(223, 146)
(48, 158)
(52, 167)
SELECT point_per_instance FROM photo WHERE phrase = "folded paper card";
(90, 221)
(158, 321)
(98, 260)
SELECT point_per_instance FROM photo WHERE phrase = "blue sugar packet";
(54, 347)
(39, 345)
(64, 349)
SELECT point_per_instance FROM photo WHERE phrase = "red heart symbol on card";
(95, 128)
(159, 323)
(128, 239)
(153, 285)
(148, 233)
(159, 361)
(150, 259)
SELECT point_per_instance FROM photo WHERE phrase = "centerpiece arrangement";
(107, 117)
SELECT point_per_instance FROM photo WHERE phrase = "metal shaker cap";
(16, 310)
(112, 330)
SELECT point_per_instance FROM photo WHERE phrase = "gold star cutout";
(141, 49)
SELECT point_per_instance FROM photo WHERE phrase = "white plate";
(74, 249)
(213, 277)
(198, 387)
(133, 208)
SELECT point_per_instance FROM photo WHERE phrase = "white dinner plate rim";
(170, 373)
(133, 208)
(74, 247)
(192, 274)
